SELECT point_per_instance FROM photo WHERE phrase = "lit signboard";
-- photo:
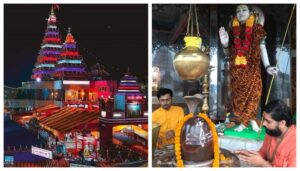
(134, 110)
(119, 102)
(117, 115)
(78, 105)
(103, 114)
(66, 82)
(41, 152)
(8, 160)
(57, 84)
(134, 97)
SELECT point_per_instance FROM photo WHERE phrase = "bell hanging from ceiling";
(191, 63)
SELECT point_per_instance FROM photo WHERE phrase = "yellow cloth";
(192, 41)
(168, 119)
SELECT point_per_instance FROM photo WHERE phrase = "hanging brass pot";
(191, 63)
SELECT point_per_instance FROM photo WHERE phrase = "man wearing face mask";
(279, 147)
(167, 116)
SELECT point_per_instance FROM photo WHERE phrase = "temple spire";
(69, 30)
(70, 65)
(52, 10)
(49, 52)
(69, 37)
(128, 70)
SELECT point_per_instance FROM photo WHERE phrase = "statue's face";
(242, 13)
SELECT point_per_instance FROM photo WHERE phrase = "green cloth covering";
(246, 133)
(295, 118)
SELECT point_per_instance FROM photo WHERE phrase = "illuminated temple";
(85, 113)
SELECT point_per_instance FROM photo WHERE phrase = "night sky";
(114, 35)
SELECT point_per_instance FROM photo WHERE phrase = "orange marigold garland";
(242, 46)
(214, 135)
(212, 127)
(177, 139)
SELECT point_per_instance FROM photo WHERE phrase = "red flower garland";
(242, 46)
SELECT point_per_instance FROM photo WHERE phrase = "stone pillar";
(106, 135)
(214, 94)
(75, 141)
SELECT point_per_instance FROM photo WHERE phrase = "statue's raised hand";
(224, 37)
(273, 71)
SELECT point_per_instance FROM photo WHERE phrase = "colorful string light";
(70, 61)
(69, 69)
(44, 65)
(43, 59)
(48, 54)
(51, 39)
(69, 53)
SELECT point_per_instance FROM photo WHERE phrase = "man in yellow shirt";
(167, 116)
